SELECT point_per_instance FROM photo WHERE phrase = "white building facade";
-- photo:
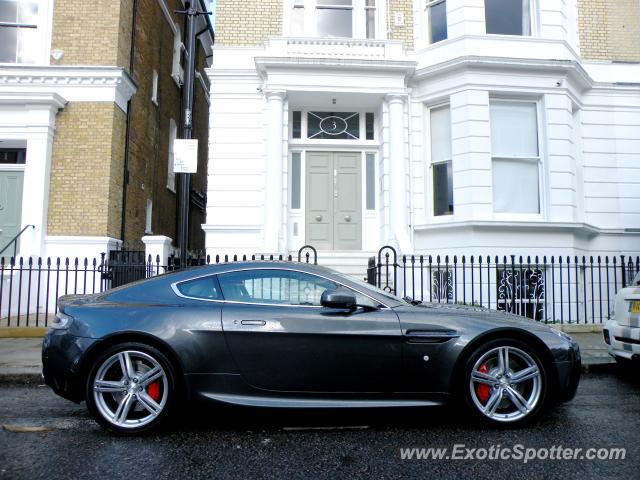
(488, 135)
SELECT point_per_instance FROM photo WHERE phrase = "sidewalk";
(20, 357)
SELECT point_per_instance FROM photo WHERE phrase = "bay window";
(334, 18)
(18, 31)
(437, 20)
(440, 131)
(508, 17)
(515, 157)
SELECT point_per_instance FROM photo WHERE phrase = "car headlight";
(61, 322)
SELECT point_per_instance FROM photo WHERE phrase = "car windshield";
(636, 279)
(390, 299)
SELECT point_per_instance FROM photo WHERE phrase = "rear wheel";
(131, 388)
(505, 382)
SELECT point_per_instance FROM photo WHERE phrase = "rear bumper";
(62, 355)
(624, 341)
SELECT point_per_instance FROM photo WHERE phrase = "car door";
(282, 339)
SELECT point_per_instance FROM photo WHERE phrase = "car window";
(204, 287)
(284, 287)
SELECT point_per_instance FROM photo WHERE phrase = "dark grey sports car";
(276, 334)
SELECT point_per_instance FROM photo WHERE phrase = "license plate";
(635, 306)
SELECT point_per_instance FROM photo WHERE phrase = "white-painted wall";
(588, 123)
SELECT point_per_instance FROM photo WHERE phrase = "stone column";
(398, 174)
(273, 179)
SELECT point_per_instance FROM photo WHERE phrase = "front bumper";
(624, 341)
(569, 374)
(62, 356)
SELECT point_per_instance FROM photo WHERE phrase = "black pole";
(187, 124)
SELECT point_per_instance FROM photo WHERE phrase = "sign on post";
(185, 156)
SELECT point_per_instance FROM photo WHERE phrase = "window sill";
(539, 225)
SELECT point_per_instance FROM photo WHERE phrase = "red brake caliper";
(482, 389)
(154, 390)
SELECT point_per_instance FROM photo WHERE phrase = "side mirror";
(338, 298)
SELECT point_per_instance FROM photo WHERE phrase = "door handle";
(258, 323)
(347, 218)
(318, 218)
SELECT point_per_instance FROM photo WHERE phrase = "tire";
(131, 389)
(505, 397)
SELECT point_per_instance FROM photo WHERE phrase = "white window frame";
(148, 218)
(429, 187)
(427, 20)
(359, 18)
(533, 19)
(154, 87)
(542, 184)
(173, 135)
(177, 72)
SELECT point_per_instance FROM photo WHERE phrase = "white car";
(622, 332)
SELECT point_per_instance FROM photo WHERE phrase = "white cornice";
(17, 97)
(393, 67)
(71, 83)
(570, 67)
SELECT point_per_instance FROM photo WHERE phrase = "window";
(205, 287)
(18, 31)
(296, 178)
(441, 160)
(370, 14)
(333, 125)
(154, 88)
(296, 124)
(369, 126)
(371, 181)
(171, 177)
(521, 292)
(508, 17)
(12, 156)
(283, 287)
(515, 157)
(334, 18)
(437, 20)
(148, 218)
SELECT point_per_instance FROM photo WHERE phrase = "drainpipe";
(127, 138)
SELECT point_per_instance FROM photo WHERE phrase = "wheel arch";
(510, 334)
(140, 337)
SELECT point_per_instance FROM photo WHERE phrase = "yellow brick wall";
(85, 193)
(87, 32)
(405, 32)
(609, 29)
(249, 22)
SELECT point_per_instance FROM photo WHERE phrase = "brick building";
(90, 101)
(436, 126)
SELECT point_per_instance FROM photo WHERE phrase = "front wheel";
(130, 389)
(505, 383)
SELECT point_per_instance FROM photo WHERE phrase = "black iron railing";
(30, 287)
(553, 289)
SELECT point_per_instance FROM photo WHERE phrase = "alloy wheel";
(130, 389)
(506, 384)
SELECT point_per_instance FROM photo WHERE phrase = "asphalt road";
(253, 443)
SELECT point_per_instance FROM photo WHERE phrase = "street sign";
(185, 156)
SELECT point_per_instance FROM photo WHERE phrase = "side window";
(280, 287)
(205, 288)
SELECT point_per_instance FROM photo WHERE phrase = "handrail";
(14, 241)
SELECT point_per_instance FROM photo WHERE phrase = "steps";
(352, 263)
